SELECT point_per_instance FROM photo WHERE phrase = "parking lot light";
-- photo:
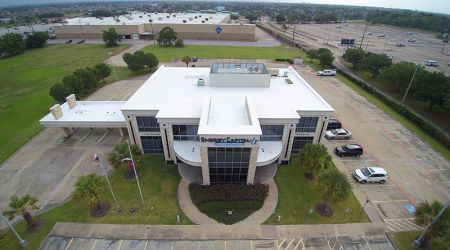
(110, 59)
(410, 83)
(22, 242)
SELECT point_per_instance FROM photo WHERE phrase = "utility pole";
(293, 35)
(99, 163)
(417, 242)
(364, 34)
(135, 174)
(443, 47)
(410, 83)
(22, 242)
(110, 59)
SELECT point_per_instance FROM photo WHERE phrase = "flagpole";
(135, 174)
(100, 164)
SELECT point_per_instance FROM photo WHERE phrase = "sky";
(439, 6)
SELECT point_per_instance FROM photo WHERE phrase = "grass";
(241, 210)
(404, 240)
(159, 184)
(403, 120)
(165, 54)
(296, 196)
(26, 80)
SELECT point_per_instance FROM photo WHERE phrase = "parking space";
(372, 242)
(416, 172)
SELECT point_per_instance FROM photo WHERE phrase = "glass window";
(228, 165)
(147, 124)
(185, 132)
(272, 132)
(307, 124)
(152, 144)
(300, 142)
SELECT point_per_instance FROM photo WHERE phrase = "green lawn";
(159, 184)
(404, 240)
(165, 54)
(296, 196)
(25, 82)
(241, 210)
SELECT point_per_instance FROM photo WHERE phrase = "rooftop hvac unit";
(206, 19)
(201, 82)
(203, 21)
(195, 17)
(174, 15)
(190, 19)
(184, 21)
(210, 17)
(140, 16)
(288, 81)
(285, 73)
(160, 18)
(168, 16)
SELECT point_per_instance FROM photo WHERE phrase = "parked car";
(369, 33)
(194, 59)
(448, 53)
(370, 175)
(411, 40)
(349, 150)
(334, 124)
(336, 134)
(400, 44)
(431, 63)
(382, 35)
(69, 41)
(327, 72)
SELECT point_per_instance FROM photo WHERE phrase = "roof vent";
(285, 73)
(288, 81)
(201, 82)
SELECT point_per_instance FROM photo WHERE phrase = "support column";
(68, 132)
(205, 165)
(252, 165)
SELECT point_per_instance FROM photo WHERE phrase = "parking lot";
(416, 172)
(427, 46)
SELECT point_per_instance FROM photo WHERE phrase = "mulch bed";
(100, 210)
(324, 210)
(129, 174)
(35, 227)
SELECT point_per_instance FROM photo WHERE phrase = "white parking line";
(389, 201)
(446, 182)
(439, 169)
(289, 244)
(298, 243)
(120, 245)
(279, 245)
(112, 97)
(70, 242)
(129, 93)
(93, 246)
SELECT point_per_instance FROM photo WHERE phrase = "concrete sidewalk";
(209, 232)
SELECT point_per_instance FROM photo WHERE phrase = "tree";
(92, 185)
(281, 18)
(399, 75)
(439, 233)
(284, 27)
(139, 60)
(23, 205)
(133, 62)
(374, 63)
(102, 71)
(87, 78)
(336, 185)
(325, 57)
(121, 152)
(187, 60)
(433, 88)
(73, 83)
(234, 17)
(314, 157)
(425, 212)
(36, 40)
(12, 44)
(354, 56)
(59, 92)
(179, 43)
(111, 37)
(150, 60)
(251, 16)
(167, 36)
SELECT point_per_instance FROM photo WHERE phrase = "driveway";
(49, 164)
(416, 172)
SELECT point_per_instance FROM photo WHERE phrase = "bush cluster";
(201, 194)
(425, 125)
(12, 44)
(140, 60)
(290, 61)
(81, 81)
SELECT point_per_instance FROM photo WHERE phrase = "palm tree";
(187, 60)
(425, 212)
(92, 185)
(22, 205)
(336, 187)
(314, 157)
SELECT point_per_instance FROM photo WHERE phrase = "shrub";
(120, 152)
(59, 92)
(227, 192)
(36, 40)
(179, 43)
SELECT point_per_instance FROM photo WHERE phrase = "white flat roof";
(88, 114)
(144, 17)
(173, 91)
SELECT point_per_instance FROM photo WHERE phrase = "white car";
(339, 133)
(327, 72)
(370, 175)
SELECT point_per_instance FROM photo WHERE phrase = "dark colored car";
(334, 124)
(349, 150)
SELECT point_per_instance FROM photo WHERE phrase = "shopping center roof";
(145, 17)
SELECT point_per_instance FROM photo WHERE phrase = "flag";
(130, 165)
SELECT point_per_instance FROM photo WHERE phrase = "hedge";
(201, 194)
(421, 122)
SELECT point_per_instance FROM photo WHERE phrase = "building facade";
(231, 123)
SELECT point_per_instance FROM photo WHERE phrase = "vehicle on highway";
(412, 40)
(327, 72)
(382, 35)
(370, 175)
(401, 45)
(339, 133)
(448, 53)
(431, 63)
(409, 33)
(339, 27)
(334, 124)
(369, 33)
(349, 150)
(69, 41)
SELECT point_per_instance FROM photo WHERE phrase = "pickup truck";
(327, 72)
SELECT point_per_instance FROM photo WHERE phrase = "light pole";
(114, 69)
(99, 163)
(285, 57)
(153, 32)
(135, 173)
(410, 83)
(384, 47)
(417, 242)
(22, 242)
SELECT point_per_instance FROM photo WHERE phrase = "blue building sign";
(218, 29)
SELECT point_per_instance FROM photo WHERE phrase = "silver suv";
(370, 174)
